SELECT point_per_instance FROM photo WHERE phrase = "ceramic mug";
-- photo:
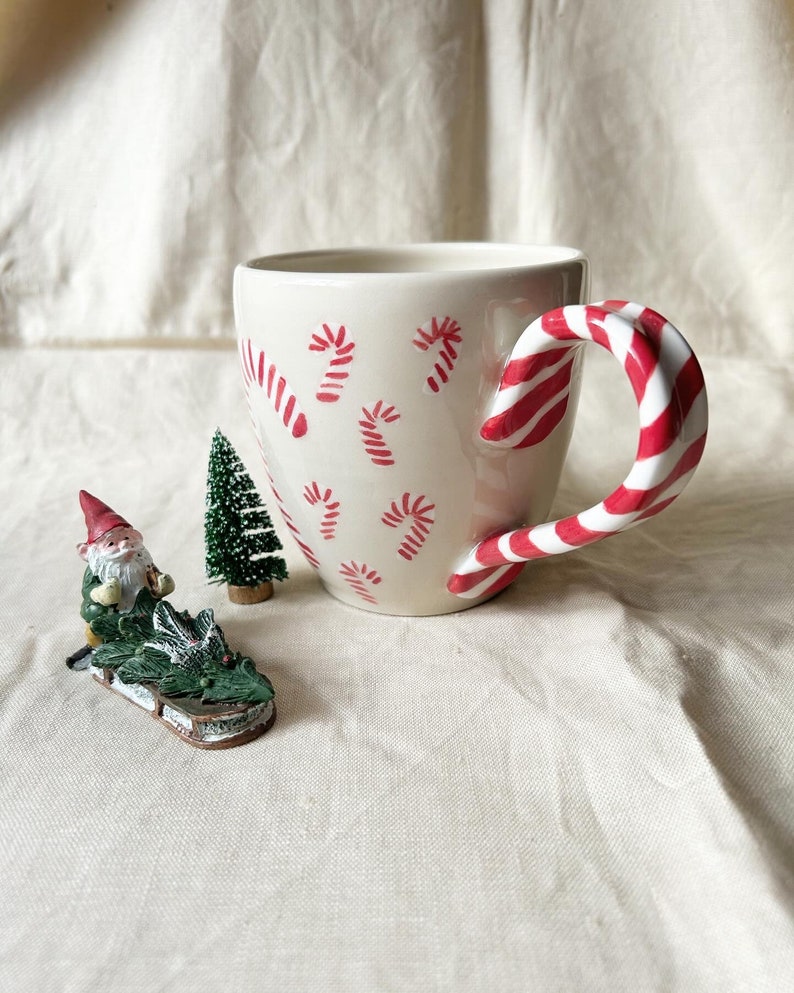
(414, 406)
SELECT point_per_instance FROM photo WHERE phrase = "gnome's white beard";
(131, 574)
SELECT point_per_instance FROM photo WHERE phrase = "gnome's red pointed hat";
(99, 518)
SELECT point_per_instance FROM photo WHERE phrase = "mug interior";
(439, 257)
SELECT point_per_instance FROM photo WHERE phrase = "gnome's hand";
(165, 584)
(108, 594)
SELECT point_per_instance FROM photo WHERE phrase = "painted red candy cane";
(314, 494)
(247, 353)
(374, 442)
(336, 337)
(533, 395)
(360, 579)
(446, 335)
(259, 369)
(309, 555)
(311, 558)
(420, 512)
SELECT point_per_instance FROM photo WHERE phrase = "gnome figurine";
(119, 565)
(178, 668)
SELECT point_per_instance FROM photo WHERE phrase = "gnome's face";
(120, 544)
(121, 554)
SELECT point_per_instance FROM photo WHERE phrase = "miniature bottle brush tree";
(239, 536)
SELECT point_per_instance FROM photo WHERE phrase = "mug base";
(448, 604)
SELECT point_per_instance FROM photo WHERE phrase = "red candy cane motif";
(247, 353)
(259, 369)
(313, 494)
(336, 337)
(360, 578)
(421, 514)
(311, 558)
(374, 443)
(446, 335)
(671, 397)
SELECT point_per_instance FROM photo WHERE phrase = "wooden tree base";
(250, 594)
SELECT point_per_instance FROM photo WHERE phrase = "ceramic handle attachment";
(532, 401)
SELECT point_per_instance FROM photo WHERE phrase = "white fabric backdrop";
(173, 140)
(584, 785)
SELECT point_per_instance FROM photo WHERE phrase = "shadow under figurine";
(177, 667)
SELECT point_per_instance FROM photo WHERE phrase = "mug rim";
(414, 259)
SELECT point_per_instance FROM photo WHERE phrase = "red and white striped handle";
(532, 401)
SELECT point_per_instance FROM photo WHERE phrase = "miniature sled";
(199, 724)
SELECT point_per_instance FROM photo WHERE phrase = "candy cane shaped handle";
(532, 400)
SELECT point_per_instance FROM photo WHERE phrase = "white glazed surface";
(386, 527)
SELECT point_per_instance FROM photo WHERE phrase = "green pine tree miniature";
(238, 533)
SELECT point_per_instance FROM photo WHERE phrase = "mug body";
(368, 372)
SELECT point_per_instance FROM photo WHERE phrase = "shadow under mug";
(414, 405)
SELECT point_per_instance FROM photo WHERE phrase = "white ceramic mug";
(414, 407)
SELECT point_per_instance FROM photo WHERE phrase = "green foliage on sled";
(184, 656)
